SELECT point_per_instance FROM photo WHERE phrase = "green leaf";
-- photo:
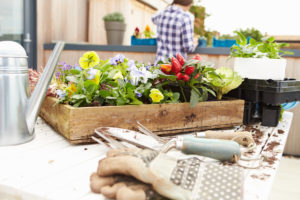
(78, 103)
(121, 101)
(209, 91)
(80, 85)
(121, 82)
(73, 79)
(135, 101)
(90, 86)
(243, 39)
(252, 41)
(204, 95)
(75, 71)
(175, 96)
(169, 77)
(191, 62)
(78, 96)
(104, 93)
(270, 39)
(112, 73)
(112, 98)
(194, 98)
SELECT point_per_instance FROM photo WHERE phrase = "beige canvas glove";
(185, 179)
(122, 187)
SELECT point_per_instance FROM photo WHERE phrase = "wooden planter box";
(78, 124)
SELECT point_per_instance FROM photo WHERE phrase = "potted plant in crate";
(115, 28)
(117, 92)
(259, 60)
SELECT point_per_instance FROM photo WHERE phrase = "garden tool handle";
(223, 150)
(222, 135)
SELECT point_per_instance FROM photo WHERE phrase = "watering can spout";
(41, 88)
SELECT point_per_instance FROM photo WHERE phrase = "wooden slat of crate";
(78, 124)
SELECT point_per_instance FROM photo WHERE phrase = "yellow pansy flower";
(97, 77)
(156, 95)
(118, 75)
(89, 59)
(72, 88)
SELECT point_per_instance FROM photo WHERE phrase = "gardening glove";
(187, 178)
(122, 187)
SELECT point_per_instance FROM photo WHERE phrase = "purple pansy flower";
(119, 58)
(57, 75)
(138, 94)
(60, 93)
(92, 72)
(131, 65)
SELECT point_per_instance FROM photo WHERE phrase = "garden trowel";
(223, 150)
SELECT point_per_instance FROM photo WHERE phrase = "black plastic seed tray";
(269, 92)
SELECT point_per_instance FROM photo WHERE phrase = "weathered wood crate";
(78, 124)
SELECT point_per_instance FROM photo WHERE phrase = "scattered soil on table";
(280, 131)
(103, 129)
(261, 177)
(85, 149)
(272, 145)
(275, 135)
(258, 134)
(249, 153)
(135, 129)
(270, 160)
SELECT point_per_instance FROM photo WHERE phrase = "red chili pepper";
(185, 78)
(179, 76)
(189, 70)
(180, 58)
(166, 68)
(197, 57)
(176, 66)
(197, 75)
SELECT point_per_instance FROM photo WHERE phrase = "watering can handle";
(223, 150)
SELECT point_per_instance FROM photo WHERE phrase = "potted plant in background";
(259, 60)
(115, 28)
(144, 38)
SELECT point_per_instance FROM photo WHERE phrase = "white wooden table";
(50, 168)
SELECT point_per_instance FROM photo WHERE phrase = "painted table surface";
(50, 168)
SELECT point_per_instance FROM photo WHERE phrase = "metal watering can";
(18, 112)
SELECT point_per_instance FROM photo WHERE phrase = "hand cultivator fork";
(222, 150)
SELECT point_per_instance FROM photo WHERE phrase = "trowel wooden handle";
(223, 135)
(223, 150)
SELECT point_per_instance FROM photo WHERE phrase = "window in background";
(11, 20)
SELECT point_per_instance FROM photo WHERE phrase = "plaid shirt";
(175, 31)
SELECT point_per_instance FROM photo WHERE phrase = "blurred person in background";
(175, 30)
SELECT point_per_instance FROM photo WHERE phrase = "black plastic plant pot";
(270, 115)
(270, 92)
